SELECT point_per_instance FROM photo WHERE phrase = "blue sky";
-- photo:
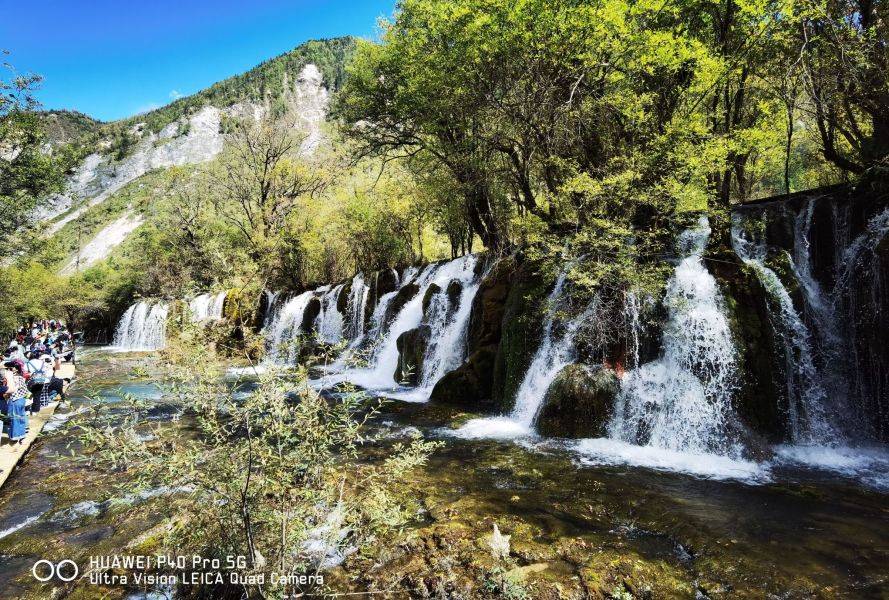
(114, 59)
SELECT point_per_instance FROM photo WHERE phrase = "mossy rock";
(411, 350)
(433, 289)
(244, 307)
(522, 324)
(579, 402)
(489, 304)
(759, 401)
(470, 384)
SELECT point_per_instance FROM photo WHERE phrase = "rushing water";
(359, 292)
(447, 325)
(143, 327)
(555, 352)
(683, 401)
(207, 307)
(808, 415)
(329, 322)
(286, 325)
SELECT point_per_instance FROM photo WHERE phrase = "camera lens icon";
(64, 570)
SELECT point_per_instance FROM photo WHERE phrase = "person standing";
(16, 400)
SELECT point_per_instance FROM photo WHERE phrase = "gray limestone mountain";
(189, 131)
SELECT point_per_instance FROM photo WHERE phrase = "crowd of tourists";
(30, 376)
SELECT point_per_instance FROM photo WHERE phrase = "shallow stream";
(583, 520)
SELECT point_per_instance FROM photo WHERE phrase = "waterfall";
(142, 327)
(633, 326)
(381, 374)
(818, 303)
(448, 324)
(808, 416)
(554, 353)
(683, 401)
(329, 322)
(207, 307)
(358, 295)
(866, 242)
(269, 316)
(285, 327)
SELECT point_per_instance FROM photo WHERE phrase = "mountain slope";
(189, 131)
(265, 82)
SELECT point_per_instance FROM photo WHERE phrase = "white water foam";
(606, 451)
(142, 328)
(867, 465)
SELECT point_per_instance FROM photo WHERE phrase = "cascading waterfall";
(329, 322)
(379, 339)
(556, 351)
(861, 246)
(818, 304)
(142, 327)
(683, 401)
(808, 417)
(207, 307)
(447, 324)
(633, 326)
(285, 327)
(358, 295)
(381, 372)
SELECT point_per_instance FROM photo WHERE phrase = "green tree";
(27, 171)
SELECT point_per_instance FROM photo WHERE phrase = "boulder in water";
(342, 301)
(454, 291)
(469, 385)
(433, 289)
(411, 350)
(578, 403)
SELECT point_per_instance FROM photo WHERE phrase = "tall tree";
(845, 60)
(27, 170)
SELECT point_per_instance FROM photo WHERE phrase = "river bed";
(581, 525)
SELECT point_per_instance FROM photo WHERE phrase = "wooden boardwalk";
(11, 454)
